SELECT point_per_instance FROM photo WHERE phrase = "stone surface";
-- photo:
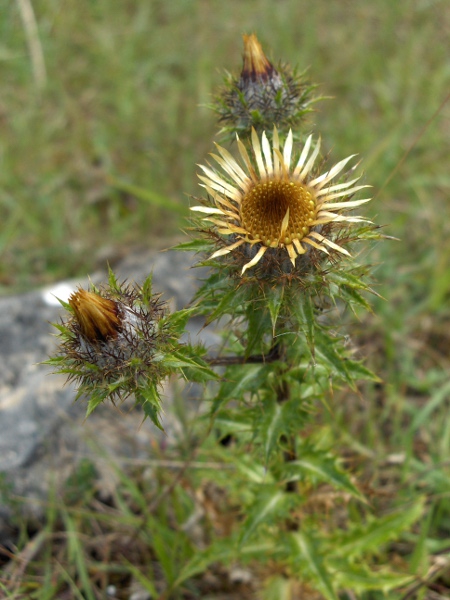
(43, 434)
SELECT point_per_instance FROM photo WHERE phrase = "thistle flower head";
(263, 95)
(116, 342)
(272, 205)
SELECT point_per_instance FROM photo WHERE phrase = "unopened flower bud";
(263, 96)
(120, 341)
(117, 342)
(99, 318)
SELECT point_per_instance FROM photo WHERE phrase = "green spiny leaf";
(232, 302)
(323, 467)
(270, 503)
(187, 360)
(358, 371)
(341, 277)
(97, 396)
(274, 299)
(177, 320)
(147, 289)
(148, 397)
(353, 297)
(252, 470)
(325, 349)
(306, 557)
(223, 551)
(370, 537)
(271, 425)
(112, 280)
(303, 310)
(232, 422)
(258, 326)
(240, 380)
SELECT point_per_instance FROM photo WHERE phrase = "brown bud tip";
(98, 317)
(256, 65)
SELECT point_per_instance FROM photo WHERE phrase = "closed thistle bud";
(118, 341)
(263, 96)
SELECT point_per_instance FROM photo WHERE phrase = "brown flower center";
(264, 207)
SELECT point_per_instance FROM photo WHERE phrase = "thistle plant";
(276, 229)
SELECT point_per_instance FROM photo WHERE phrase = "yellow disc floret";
(270, 200)
(264, 207)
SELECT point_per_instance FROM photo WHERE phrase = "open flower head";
(271, 203)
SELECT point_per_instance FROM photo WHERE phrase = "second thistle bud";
(121, 341)
(263, 96)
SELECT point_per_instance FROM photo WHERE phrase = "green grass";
(91, 151)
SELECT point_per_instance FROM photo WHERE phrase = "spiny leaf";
(148, 397)
(177, 320)
(306, 557)
(252, 470)
(271, 425)
(303, 311)
(326, 350)
(232, 302)
(112, 280)
(240, 380)
(358, 371)
(277, 419)
(258, 325)
(323, 467)
(340, 277)
(274, 299)
(351, 296)
(183, 360)
(147, 289)
(270, 503)
(230, 421)
(97, 396)
(371, 537)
